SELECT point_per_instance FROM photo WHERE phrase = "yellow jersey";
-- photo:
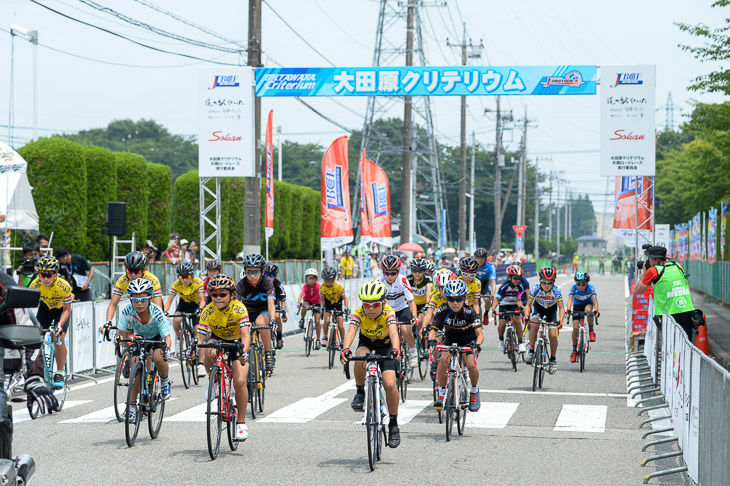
(374, 329)
(120, 288)
(420, 289)
(347, 263)
(56, 295)
(188, 293)
(436, 300)
(333, 294)
(224, 324)
(474, 290)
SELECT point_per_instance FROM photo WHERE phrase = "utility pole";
(472, 236)
(524, 170)
(498, 163)
(406, 194)
(536, 250)
(557, 214)
(550, 210)
(278, 133)
(252, 199)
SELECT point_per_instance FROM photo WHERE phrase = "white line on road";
(195, 414)
(100, 416)
(492, 415)
(23, 415)
(527, 392)
(582, 418)
(408, 410)
(307, 409)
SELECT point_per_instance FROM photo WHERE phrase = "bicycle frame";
(222, 361)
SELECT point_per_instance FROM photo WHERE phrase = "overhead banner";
(336, 221)
(624, 210)
(427, 81)
(269, 216)
(366, 231)
(628, 132)
(377, 200)
(226, 129)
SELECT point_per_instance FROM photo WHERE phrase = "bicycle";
(456, 400)
(333, 346)
(309, 328)
(584, 342)
(188, 367)
(149, 397)
(257, 372)
(421, 351)
(376, 407)
(221, 405)
(121, 374)
(542, 357)
(48, 353)
(511, 343)
(403, 371)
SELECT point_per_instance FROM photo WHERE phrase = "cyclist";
(256, 292)
(135, 264)
(436, 299)
(582, 298)
(487, 275)
(332, 295)
(148, 321)
(468, 268)
(190, 290)
(463, 327)
(430, 268)
(310, 295)
(399, 296)
(212, 268)
(378, 333)
(54, 306)
(421, 286)
(271, 270)
(545, 300)
(226, 319)
(511, 297)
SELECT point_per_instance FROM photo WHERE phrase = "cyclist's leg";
(263, 320)
(534, 319)
(471, 366)
(61, 351)
(392, 397)
(326, 324)
(162, 366)
(240, 373)
(517, 323)
(405, 315)
(553, 333)
(500, 328)
(341, 327)
(317, 325)
(443, 365)
(589, 308)
(176, 322)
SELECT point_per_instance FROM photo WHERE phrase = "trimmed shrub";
(133, 188)
(57, 173)
(159, 205)
(101, 187)
(186, 205)
(237, 196)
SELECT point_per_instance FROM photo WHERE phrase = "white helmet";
(311, 271)
(444, 276)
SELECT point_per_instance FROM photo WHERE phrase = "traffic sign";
(519, 230)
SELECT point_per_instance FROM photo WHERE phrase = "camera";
(27, 266)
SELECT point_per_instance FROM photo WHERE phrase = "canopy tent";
(16, 199)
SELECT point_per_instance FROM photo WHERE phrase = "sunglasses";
(468, 274)
(390, 274)
(542, 282)
(270, 275)
(579, 284)
(371, 305)
(455, 299)
(137, 300)
(419, 271)
(311, 277)
(134, 272)
(47, 275)
(220, 296)
(253, 273)
(517, 278)
(185, 276)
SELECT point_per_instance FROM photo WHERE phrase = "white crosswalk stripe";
(582, 418)
(492, 415)
(99, 416)
(21, 415)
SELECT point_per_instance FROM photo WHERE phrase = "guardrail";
(713, 280)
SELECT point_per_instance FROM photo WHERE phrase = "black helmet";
(185, 269)
(271, 269)
(418, 264)
(213, 265)
(135, 260)
(254, 261)
(468, 265)
(329, 273)
(480, 252)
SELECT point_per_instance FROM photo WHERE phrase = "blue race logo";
(573, 79)
(225, 82)
(333, 188)
(628, 78)
(380, 199)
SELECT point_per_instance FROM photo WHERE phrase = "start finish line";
(427, 81)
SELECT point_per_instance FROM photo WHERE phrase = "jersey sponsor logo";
(254, 297)
(333, 185)
(380, 199)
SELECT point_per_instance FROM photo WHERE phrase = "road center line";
(526, 392)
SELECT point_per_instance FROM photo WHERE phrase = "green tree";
(132, 188)
(101, 187)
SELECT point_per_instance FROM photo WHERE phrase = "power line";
(336, 24)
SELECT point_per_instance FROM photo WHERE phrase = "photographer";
(672, 293)
(26, 272)
(80, 273)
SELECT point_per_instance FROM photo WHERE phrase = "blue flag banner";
(427, 81)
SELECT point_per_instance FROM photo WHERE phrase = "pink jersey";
(310, 294)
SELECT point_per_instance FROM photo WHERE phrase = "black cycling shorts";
(421, 308)
(550, 314)
(332, 306)
(460, 338)
(404, 315)
(382, 347)
(507, 308)
(234, 354)
(186, 307)
(149, 347)
(47, 317)
(580, 307)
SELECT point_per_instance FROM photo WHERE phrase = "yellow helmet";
(372, 291)
(48, 264)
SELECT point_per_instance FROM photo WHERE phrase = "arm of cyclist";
(595, 306)
(112, 308)
(349, 338)
(246, 341)
(561, 311)
(168, 303)
(63, 320)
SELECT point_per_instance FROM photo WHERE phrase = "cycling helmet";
(329, 273)
(311, 271)
(468, 265)
(221, 282)
(254, 261)
(514, 271)
(455, 288)
(135, 260)
(418, 264)
(271, 269)
(582, 277)
(140, 286)
(372, 291)
(444, 276)
(480, 252)
(185, 269)
(548, 273)
(213, 265)
(430, 266)
(390, 263)
(48, 264)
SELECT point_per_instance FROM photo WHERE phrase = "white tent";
(16, 199)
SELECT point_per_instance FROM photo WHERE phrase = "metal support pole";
(278, 133)
(472, 234)
(536, 249)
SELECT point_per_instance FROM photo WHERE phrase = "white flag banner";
(692, 442)
(82, 350)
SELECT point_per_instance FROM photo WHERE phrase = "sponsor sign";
(269, 215)
(336, 222)
(627, 190)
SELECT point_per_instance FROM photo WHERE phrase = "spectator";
(347, 264)
(194, 255)
(169, 254)
(184, 255)
(42, 241)
(150, 251)
(80, 271)
(26, 272)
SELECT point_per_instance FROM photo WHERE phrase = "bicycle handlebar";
(368, 357)
(455, 348)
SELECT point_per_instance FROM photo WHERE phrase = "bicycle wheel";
(308, 337)
(214, 417)
(461, 410)
(371, 423)
(510, 340)
(251, 382)
(581, 350)
(543, 363)
(536, 360)
(332, 346)
(261, 380)
(231, 424)
(131, 427)
(120, 397)
(403, 372)
(422, 360)
(450, 406)
(183, 346)
(157, 406)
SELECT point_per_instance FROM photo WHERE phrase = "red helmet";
(515, 271)
(548, 273)
(390, 263)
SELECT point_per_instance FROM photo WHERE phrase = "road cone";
(701, 341)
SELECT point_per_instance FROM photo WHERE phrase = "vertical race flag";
(377, 200)
(712, 236)
(269, 218)
(624, 210)
(336, 222)
(723, 228)
(366, 230)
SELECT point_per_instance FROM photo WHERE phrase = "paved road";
(578, 430)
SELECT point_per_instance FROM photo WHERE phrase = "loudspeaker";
(116, 219)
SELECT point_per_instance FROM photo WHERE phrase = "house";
(591, 246)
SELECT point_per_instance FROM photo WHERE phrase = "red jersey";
(310, 294)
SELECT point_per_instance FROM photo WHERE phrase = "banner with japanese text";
(624, 211)
(366, 232)
(377, 199)
(269, 216)
(711, 236)
(336, 220)
(695, 252)
(427, 81)
(723, 228)
(703, 238)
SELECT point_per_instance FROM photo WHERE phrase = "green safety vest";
(671, 290)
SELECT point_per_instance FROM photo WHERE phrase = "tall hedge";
(57, 173)
(159, 205)
(313, 209)
(133, 188)
(186, 207)
(101, 187)
(237, 195)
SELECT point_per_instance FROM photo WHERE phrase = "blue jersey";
(582, 297)
(546, 299)
(158, 324)
(509, 295)
(486, 274)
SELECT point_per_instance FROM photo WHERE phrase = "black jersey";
(466, 320)
(255, 298)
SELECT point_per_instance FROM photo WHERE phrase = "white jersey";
(398, 294)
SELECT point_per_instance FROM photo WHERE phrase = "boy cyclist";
(582, 298)
(309, 297)
(545, 300)
(212, 268)
(510, 298)
(468, 267)
(378, 333)
(271, 270)
(190, 290)
(399, 296)
(421, 286)
(332, 295)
